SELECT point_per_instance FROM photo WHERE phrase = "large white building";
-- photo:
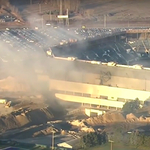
(81, 82)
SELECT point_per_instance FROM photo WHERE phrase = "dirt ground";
(117, 9)
(5, 111)
(117, 146)
(113, 13)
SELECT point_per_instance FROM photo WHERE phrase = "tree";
(131, 107)
(137, 139)
(93, 139)
(90, 139)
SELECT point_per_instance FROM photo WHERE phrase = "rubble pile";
(23, 117)
(110, 117)
(46, 131)
(82, 126)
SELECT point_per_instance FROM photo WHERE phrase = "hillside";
(117, 9)
(116, 12)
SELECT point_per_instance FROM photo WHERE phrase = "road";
(87, 23)
(46, 140)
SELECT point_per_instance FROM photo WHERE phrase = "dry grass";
(117, 9)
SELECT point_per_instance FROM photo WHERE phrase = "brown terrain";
(116, 13)
(27, 108)
(33, 115)
(117, 9)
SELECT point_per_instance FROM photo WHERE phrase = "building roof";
(69, 144)
(46, 140)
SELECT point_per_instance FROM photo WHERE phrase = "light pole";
(42, 22)
(53, 140)
(40, 8)
(105, 21)
(67, 20)
(129, 132)
(111, 144)
(129, 20)
(128, 23)
(50, 15)
(60, 11)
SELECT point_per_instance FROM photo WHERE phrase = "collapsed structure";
(105, 81)
(101, 85)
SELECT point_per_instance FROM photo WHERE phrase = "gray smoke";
(23, 51)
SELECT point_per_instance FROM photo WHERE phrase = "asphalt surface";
(19, 44)
(46, 140)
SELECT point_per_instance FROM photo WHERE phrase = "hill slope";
(117, 9)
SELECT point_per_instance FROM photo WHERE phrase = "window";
(103, 97)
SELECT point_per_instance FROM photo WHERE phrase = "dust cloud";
(21, 54)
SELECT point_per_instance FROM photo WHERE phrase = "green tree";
(93, 139)
(147, 141)
(102, 138)
(131, 107)
(90, 139)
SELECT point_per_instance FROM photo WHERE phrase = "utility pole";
(50, 12)
(50, 15)
(128, 23)
(67, 20)
(111, 144)
(129, 20)
(60, 7)
(53, 140)
(40, 10)
(60, 11)
(105, 21)
(11, 17)
(42, 21)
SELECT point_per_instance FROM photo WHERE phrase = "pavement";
(46, 140)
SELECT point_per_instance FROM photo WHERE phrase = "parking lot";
(18, 45)
(23, 43)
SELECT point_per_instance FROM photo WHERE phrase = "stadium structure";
(101, 85)
(103, 68)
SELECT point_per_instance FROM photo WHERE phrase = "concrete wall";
(89, 111)
(86, 100)
(124, 79)
(115, 81)
(117, 76)
(113, 93)
(129, 83)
